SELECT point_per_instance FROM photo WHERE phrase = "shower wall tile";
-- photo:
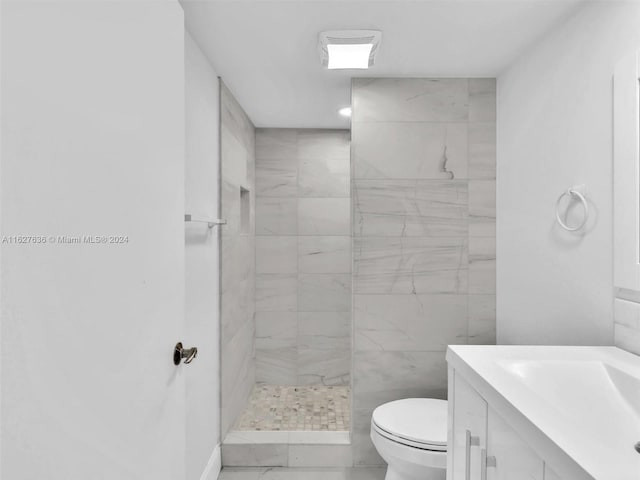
(276, 144)
(482, 100)
(276, 329)
(324, 292)
(626, 328)
(482, 198)
(276, 254)
(324, 347)
(324, 329)
(322, 144)
(324, 178)
(324, 254)
(404, 150)
(276, 177)
(482, 151)
(380, 377)
(323, 366)
(303, 256)
(276, 292)
(482, 208)
(482, 319)
(276, 351)
(410, 208)
(409, 100)
(276, 216)
(238, 260)
(403, 323)
(424, 236)
(324, 163)
(482, 265)
(406, 265)
(324, 216)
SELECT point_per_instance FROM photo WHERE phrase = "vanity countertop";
(583, 400)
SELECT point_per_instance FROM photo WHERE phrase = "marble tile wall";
(303, 257)
(626, 327)
(238, 265)
(423, 160)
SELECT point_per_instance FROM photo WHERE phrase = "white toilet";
(411, 436)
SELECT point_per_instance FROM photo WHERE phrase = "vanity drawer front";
(468, 431)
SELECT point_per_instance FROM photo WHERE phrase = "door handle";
(470, 441)
(188, 354)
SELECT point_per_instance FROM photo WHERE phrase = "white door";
(92, 178)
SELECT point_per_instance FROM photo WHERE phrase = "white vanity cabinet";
(483, 445)
(542, 413)
(467, 432)
(508, 456)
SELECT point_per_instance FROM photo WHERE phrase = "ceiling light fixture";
(345, 49)
(345, 111)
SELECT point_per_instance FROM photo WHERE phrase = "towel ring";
(573, 192)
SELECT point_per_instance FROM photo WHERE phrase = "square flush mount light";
(343, 49)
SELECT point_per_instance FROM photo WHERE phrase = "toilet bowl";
(411, 436)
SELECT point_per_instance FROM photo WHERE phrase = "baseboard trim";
(214, 465)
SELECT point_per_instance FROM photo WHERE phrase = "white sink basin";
(597, 398)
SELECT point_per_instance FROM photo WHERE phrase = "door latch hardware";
(180, 353)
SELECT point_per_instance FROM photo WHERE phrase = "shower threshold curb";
(241, 437)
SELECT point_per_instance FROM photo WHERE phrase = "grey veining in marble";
(303, 256)
(276, 216)
(482, 319)
(424, 153)
(276, 292)
(324, 254)
(405, 265)
(381, 377)
(482, 100)
(324, 163)
(406, 150)
(421, 322)
(238, 259)
(482, 208)
(409, 100)
(410, 208)
(324, 329)
(482, 265)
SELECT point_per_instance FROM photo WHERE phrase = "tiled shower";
(374, 250)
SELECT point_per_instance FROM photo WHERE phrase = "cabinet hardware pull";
(470, 441)
(483, 464)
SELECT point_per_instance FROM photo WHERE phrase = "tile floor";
(297, 408)
(262, 473)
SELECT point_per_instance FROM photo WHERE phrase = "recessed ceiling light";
(345, 111)
(343, 49)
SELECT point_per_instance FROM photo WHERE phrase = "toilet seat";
(414, 422)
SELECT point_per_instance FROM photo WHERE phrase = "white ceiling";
(266, 50)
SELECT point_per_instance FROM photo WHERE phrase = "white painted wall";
(202, 264)
(554, 131)
(92, 144)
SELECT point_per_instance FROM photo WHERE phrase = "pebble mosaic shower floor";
(291, 408)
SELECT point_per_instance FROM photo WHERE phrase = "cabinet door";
(468, 430)
(508, 456)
